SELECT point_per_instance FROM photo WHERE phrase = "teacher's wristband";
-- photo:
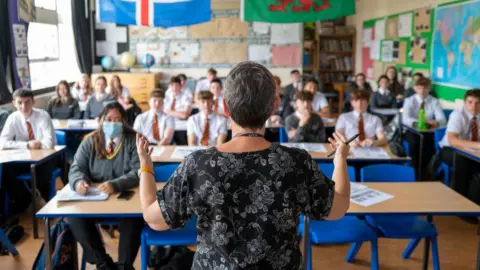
(145, 170)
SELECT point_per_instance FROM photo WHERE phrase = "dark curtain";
(5, 52)
(81, 19)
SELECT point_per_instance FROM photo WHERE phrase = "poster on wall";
(26, 10)
(23, 71)
(455, 53)
(182, 52)
(20, 39)
(288, 33)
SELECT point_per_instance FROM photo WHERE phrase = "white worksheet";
(182, 151)
(354, 188)
(309, 147)
(157, 151)
(367, 197)
(67, 194)
(370, 153)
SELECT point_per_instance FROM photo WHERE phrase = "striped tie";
(31, 135)
(156, 132)
(215, 105)
(474, 129)
(172, 107)
(206, 134)
(111, 147)
(361, 129)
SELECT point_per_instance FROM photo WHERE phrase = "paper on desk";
(74, 123)
(90, 124)
(309, 147)
(367, 197)
(67, 194)
(472, 150)
(354, 188)
(370, 152)
(182, 151)
(82, 105)
(12, 155)
(157, 151)
(55, 123)
(327, 120)
(386, 111)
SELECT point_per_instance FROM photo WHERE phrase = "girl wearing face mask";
(99, 100)
(108, 159)
(63, 105)
(384, 97)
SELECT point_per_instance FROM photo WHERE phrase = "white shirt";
(221, 107)
(15, 135)
(298, 86)
(182, 101)
(125, 92)
(348, 122)
(433, 110)
(217, 124)
(202, 85)
(383, 91)
(79, 94)
(319, 102)
(116, 141)
(144, 124)
(460, 122)
(183, 89)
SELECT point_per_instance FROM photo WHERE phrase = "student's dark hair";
(304, 95)
(360, 95)
(99, 137)
(361, 75)
(216, 80)
(212, 71)
(175, 79)
(117, 92)
(473, 93)
(157, 93)
(394, 68)
(383, 77)
(101, 78)
(182, 76)
(205, 95)
(294, 71)
(425, 82)
(58, 99)
(22, 93)
(277, 80)
(418, 74)
(312, 80)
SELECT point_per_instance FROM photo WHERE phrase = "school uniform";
(383, 99)
(207, 131)
(347, 107)
(462, 123)
(178, 103)
(153, 125)
(433, 111)
(312, 132)
(95, 107)
(16, 133)
(219, 105)
(59, 110)
(120, 168)
(202, 85)
(319, 102)
(350, 123)
(125, 92)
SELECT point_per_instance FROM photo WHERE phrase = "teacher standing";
(248, 193)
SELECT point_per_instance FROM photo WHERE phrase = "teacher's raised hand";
(144, 151)
(339, 142)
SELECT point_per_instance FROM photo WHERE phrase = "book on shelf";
(334, 45)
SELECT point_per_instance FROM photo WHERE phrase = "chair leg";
(309, 253)
(447, 176)
(5, 241)
(436, 259)
(411, 247)
(84, 262)
(144, 253)
(374, 258)
(354, 248)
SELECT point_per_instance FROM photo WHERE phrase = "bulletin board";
(406, 41)
(222, 43)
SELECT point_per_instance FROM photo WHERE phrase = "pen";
(349, 141)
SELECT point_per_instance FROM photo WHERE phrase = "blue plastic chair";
(283, 137)
(179, 237)
(61, 137)
(400, 227)
(438, 136)
(348, 229)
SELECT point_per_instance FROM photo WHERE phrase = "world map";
(456, 45)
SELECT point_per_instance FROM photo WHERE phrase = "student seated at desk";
(63, 105)
(383, 98)
(463, 132)
(289, 92)
(28, 128)
(206, 128)
(204, 85)
(360, 83)
(108, 158)
(394, 85)
(96, 104)
(319, 103)
(218, 102)
(178, 104)
(154, 124)
(303, 125)
(434, 115)
(410, 91)
(116, 86)
(82, 90)
(359, 121)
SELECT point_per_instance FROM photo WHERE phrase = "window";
(51, 45)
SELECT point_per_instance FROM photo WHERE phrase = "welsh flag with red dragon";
(291, 11)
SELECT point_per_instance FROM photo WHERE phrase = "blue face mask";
(112, 129)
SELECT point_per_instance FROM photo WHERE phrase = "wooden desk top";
(471, 153)
(25, 155)
(63, 125)
(165, 157)
(416, 198)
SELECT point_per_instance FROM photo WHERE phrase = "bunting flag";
(154, 13)
(291, 11)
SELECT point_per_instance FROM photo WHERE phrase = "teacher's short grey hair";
(250, 94)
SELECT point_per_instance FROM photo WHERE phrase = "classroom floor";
(457, 250)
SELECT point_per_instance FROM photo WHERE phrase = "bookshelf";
(336, 53)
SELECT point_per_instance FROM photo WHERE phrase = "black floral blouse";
(247, 205)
